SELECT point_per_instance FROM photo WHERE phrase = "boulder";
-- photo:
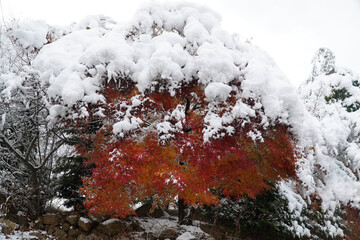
(85, 224)
(51, 229)
(111, 227)
(135, 226)
(7, 226)
(8, 223)
(98, 218)
(19, 219)
(146, 211)
(72, 219)
(82, 237)
(149, 236)
(65, 227)
(37, 234)
(168, 234)
(52, 219)
(39, 224)
(7, 230)
(73, 232)
(60, 233)
(88, 237)
(99, 235)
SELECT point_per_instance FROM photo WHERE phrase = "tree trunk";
(185, 212)
(36, 194)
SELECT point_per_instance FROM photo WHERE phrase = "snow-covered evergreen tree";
(332, 95)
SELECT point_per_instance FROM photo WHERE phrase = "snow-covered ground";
(152, 226)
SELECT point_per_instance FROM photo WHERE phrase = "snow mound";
(29, 34)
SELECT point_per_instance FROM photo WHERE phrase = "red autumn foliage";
(142, 163)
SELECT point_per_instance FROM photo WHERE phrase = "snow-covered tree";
(171, 106)
(332, 95)
(28, 141)
(179, 99)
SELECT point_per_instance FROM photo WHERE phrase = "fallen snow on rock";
(155, 226)
(186, 236)
(18, 235)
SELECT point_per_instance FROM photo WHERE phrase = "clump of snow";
(30, 35)
(84, 220)
(110, 221)
(94, 21)
(126, 125)
(186, 236)
(217, 90)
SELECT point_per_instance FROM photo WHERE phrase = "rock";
(8, 223)
(37, 234)
(168, 234)
(19, 219)
(99, 235)
(6, 230)
(73, 232)
(52, 219)
(146, 211)
(39, 224)
(72, 219)
(51, 229)
(82, 237)
(135, 227)
(98, 218)
(88, 237)
(65, 227)
(111, 227)
(59, 233)
(149, 236)
(85, 224)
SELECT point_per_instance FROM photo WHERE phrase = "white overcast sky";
(289, 30)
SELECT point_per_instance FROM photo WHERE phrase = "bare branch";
(9, 146)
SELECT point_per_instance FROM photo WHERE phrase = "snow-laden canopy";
(175, 43)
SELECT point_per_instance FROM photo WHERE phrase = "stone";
(51, 229)
(149, 236)
(88, 237)
(65, 227)
(39, 224)
(60, 233)
(85, 224)
(135, 226)
(111, 227)
(98, 218)
(82, 237)
(6, 230)
(146, 211)
(99, 235)
(19, 219)
(37, 234)
(73, 232)
(8, 223)
(52, 219)
(72, 219)
(168, 234)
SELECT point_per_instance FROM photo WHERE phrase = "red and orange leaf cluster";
(137, 166)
